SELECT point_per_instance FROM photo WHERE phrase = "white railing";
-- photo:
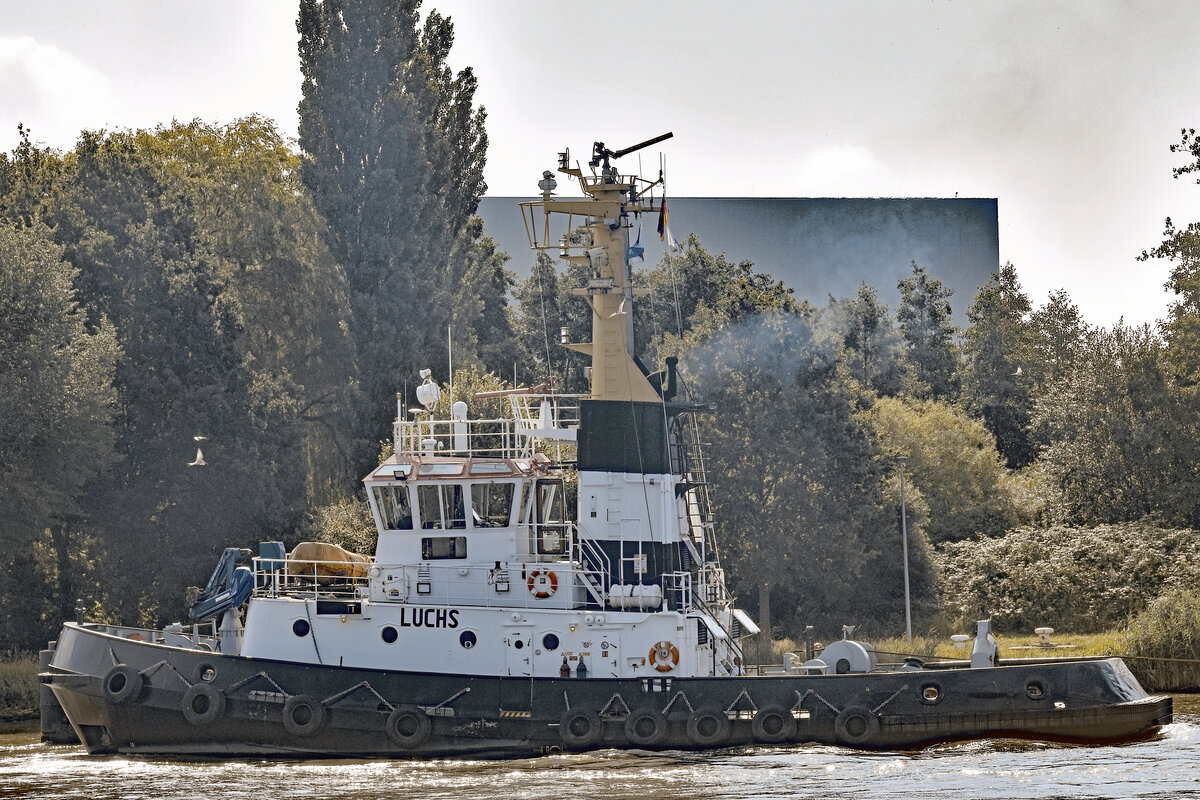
(534, 417)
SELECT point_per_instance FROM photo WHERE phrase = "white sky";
(1062, 110)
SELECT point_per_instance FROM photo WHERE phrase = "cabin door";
(518, 651)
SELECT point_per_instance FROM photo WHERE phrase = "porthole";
(931, 693)
(467, 639)
(550, 641)
(301, 627)
(389, 634)
(518, 644)
(1035, 689)
(205, 672)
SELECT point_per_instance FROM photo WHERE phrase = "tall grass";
(18, 687)
(1169, 629)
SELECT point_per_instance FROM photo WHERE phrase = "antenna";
(600, 153)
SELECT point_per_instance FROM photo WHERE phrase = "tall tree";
(928, 329)
(871, 349)
(995, 348)
(56, 406)
(395, 159)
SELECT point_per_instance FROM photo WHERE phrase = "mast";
(601, 242)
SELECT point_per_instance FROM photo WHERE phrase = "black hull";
(132, 697)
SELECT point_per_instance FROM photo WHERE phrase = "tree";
(1057, 337)
(870, 347)
(395, 159)
(150, 257)
(928, 329)
(1119, 437)
(801, 494)
(695, 293)
(995, 349)
(953, 462)
(56, 405)
(482, 319)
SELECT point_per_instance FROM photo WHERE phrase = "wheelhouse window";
(394, 508)
(441, 506)
(491, 504)
(550, 519)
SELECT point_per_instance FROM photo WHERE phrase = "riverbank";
(19, 693)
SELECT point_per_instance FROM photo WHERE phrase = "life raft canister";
(542, 583)
(664, 656)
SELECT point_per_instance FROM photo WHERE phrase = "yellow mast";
(606, 214)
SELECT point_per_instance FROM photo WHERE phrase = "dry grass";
(18, 687)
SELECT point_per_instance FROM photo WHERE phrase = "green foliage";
(545, 306)
(1161, 637)
(347, 523)
(799, 488)
(395, 159)
(953, 463)
(926, 323)
(871, 348)
(56, 409)
(995, 348)
(1077, 579)
(1118, 436)
(694, 294)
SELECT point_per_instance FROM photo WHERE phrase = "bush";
(1079, 579)
(1168, 629)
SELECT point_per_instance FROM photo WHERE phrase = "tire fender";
(855, 725)
(580, 727)
(773, 724)
(203, 704)
(409, 726)
(123, 684)
(303, 715)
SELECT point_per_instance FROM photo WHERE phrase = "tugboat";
(543, 582)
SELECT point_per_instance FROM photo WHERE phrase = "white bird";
(1018, 372)
(199, 462)
(620, 309)
(199, 438)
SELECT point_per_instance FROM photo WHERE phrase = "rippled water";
(1168, 766)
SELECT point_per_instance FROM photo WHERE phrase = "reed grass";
(18, 687)
(1163, 643)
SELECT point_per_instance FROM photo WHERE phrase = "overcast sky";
(1063, 111)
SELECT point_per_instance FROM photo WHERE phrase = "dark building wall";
(819, 246)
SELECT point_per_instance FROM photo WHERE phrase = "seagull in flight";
(620, 308)
(199, 462)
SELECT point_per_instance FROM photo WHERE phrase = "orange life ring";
(664, 656)
(542, 583)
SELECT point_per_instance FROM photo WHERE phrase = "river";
(1166, 766)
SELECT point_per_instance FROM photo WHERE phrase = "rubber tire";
(409, 726)
(310, 723)
(580, 727)
(714, 721)
(213, 704)
(123, 684)
(855, 725)
(636, 731)
(773, 724)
